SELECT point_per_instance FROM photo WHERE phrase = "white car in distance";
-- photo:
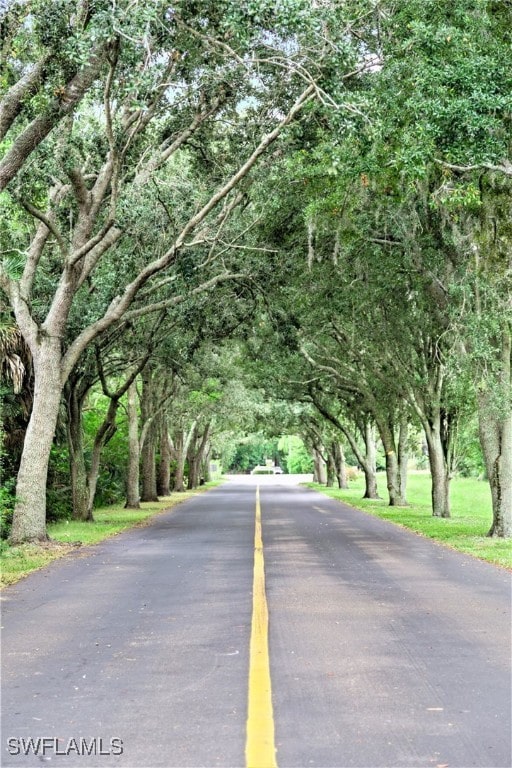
(265, 470)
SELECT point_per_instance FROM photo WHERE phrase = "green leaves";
(448, 81)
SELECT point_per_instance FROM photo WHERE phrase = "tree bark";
(179, 447)
(369, 463)
(195, 456)
(132, 479)
(331, 467)
(149, 465)
(12, 103)
(205, 465)
(392, 466)
(439, 467)
(164, 466)
(29, 519)
(78, 469)
(340, 465)
(495, 427)
(403, 454)
(393, 480)
(41, 126)
(437, 424)
(316, 468)
(193, 472)
(319, 474)
(148, 446)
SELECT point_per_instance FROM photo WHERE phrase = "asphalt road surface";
(385, 649)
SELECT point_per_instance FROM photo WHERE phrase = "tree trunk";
(147, 442)
(179, 447)
(149, 466)
(164, 467)
(369, 464)
(392, 467)
(47, 118)
(495, 427)
(331, 468)
(195, 457)
(205, 466)
(29, 519)
(12, 103)
(316, 468)
(193, 472)
(403, 454)
(92, 478)
(132, 479)
(366, 461)
(319, 474)
(439, 469)
(393, 480)
(340, 465)
(78, 470)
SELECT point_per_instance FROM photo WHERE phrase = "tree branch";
(505, 167)
(92, 243)
(328, 369)
(175, 300)
(41, 126)
(97, 250)
(12, 103)
(49, 224)
(120, 304)
(143, 176)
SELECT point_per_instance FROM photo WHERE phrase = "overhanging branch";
(175, 300)
(505, 167)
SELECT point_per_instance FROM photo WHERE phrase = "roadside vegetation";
(68, 536)
(466, 529)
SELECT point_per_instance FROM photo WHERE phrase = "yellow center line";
(260, 751)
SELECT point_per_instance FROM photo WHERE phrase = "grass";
(466, 530)
(67, 535)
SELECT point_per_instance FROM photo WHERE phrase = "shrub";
(7, 499)
(352, 474)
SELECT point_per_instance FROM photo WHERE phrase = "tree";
(376, 196)
(451, 122)
(128, 138)
(54, 76)
(157, 158)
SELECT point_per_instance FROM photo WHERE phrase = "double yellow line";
(260, 751)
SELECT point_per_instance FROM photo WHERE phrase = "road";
(385, 649)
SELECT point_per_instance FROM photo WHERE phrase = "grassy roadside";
(68, 535)
(466, 529)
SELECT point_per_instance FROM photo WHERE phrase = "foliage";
(112, 478)
(470, 461)
(7, 499)
(297, 458)
(252, 451)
